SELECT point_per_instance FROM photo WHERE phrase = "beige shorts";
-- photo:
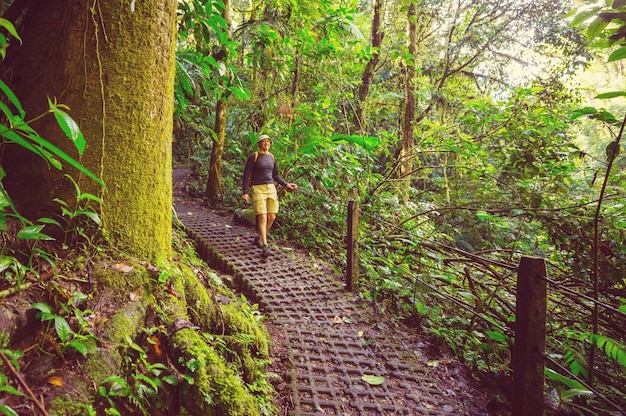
(264, 199)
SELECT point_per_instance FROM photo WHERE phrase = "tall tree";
(376, 39)
(407, 140)
(112, 63)
(221, 56)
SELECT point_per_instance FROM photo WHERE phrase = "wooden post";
(530, 338)
(352, 272)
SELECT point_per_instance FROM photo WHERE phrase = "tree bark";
(214, 188)
(113, 65)
(376, 40)
(406, 144)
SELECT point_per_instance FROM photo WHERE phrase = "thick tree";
(112, 63)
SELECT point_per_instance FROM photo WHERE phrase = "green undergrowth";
(140, 339)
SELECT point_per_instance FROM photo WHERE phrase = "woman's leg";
(262, 225)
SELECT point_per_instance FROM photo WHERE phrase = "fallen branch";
(21, 381)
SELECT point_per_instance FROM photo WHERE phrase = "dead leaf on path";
(56, 381)
(337, 319)
(123, 267)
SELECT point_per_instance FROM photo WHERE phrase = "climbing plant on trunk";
(112, 63)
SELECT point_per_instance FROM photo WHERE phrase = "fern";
(612, 348)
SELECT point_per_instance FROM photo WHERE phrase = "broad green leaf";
(611, 95)
(171, 380)
(89, 214)
(7, 411)
(373, 380)
(584, 15)
(595, 28)
(553, 375)
(17, 139)
(583, 112)
(6, 262)
(82, 346)
(43, 307)
(11, 390)
(46, 313)
(32, 232)
(7, 112)
(62, 328)
(10, 28)
(483, 215)
(618, 54)
(497, 336)
(572, 393)
(240, 92)
(367, 142)
(45, 220)
(69, 127)
(12, 97)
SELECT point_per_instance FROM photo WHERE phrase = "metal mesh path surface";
(330, 341)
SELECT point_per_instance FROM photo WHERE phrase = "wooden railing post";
(530, 338)
(352, 272)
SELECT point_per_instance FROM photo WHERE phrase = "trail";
(338, 356)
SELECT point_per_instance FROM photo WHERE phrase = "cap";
(263, 137)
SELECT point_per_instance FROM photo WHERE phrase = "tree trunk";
(376, 40)
(112, 63)
(406, 144)
(214, 188)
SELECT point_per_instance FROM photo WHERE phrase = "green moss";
(67, 406)
(219, 329)
(218, 390)
(118, 280)
(102, 364)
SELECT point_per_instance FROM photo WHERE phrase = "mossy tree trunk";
(112, 63)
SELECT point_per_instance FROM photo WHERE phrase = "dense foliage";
(470, 146)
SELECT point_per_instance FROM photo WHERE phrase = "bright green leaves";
(367, 142)
(618, 54)
(32, 232)
(69, 126)
(13, 100)
(19, 132)
(68, 337)
(4, 43)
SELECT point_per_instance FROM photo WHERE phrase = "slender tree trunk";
(406, 144)
(376, 40)
(113, 65)
(214, 187)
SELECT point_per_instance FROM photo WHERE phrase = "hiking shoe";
(257, 242)
(265, 253)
